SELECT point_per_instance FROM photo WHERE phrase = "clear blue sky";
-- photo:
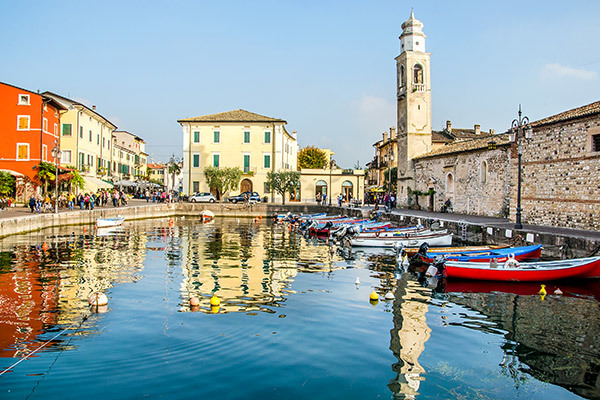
(326, 67)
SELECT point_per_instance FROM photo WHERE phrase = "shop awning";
(92, 184)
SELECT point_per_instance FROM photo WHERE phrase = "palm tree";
(46, 173)
(174, 168)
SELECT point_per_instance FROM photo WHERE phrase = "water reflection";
(552, 338)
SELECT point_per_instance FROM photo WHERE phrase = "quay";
(469, 229)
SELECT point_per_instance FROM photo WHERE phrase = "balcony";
(250, 171)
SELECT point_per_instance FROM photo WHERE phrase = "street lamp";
(331, 161)
(520, 129)
(56, 154)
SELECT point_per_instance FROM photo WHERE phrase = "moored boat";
(501, 255)
(109, 222)
(444, 239)
(523, 272)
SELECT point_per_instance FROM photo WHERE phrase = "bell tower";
(414, 103)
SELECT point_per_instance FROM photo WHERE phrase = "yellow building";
(350, 183)
(254, 143)
(129, 158)
(85, 141)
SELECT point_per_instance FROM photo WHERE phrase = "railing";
(249, 171)
(419, 87)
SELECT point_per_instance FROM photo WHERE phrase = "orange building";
(29, 128)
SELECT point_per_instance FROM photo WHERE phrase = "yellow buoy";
(214, 309)
(214, 301)
(374, 296)
(543, 290)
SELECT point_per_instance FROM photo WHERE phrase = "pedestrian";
(319, 198)
(340, 199)
(32, 203)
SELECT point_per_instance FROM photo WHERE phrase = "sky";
(326, 67)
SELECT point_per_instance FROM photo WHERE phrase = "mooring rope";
(45, 344)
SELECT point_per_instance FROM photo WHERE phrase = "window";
(81, 132)
(55, 129)
(65, 156)
(81, 160)
(98, 139)
(44, 152)
(90, 135)
(246, 136)
(23, 151)
(23, 122)
(45, 125)
(23, 100)
(216, 160)
(266, 161)
(216, 137)
(66, 129)
(267, 137)
(483, 172)
(418, 74)
(595, 142)
(196, 160)
(196, 137)
(195, 186)
(246, 163)
(402, 76)
(450, 183)
(267, 189)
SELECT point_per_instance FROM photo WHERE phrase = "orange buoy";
(84, 229)
(44, 246)
(171, 221)
(194, 301)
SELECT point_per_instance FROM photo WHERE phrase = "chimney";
(492, 132)
(393, 132)
(385, 136)
(477, 129)
(94, 108)
(449, 126)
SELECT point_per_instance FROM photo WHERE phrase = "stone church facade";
(478, 170)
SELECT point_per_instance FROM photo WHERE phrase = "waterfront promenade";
(20, 219)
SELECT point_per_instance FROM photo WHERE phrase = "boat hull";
(415, 241)
(526, 272)
(109, 222)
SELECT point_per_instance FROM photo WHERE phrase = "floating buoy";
(214, 300)
(543, 290)
(98, 299)
(171, 221)
(260, 217)
(357, 282)
(389, 296)
(373, 296)
(84, 229)
(558, 292)
(194, 301)
(214, 309)
(44, 246)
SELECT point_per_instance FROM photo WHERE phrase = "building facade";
(254, 143)
(129, 157)
(29, 123)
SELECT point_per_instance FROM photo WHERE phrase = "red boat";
(524, 272)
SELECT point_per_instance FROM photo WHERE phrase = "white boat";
(207, 215)
(444, 239)
(108, 222)
(403, 234)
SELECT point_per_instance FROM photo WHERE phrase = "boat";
(522, 272)
(108, 222)
(523, 253)
(207, 215)
(463, 249)
(444, 239)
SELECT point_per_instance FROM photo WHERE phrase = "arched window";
(321, 187)
(450, 183)
(418, 74)
(402, 76)
(347, 191)
(484, 172)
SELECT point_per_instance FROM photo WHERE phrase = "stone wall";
(470, 193)
(560, 176)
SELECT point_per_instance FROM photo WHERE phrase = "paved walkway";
(19, 211)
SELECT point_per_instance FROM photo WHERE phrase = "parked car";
(202, 198)
(253, 197)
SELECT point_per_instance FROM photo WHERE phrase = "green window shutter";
(196, 160)
(246, 162)
(215, 160)
(196, 137)
(267, 161)
(216, 137)
(246, 137)
(267, 137)
(66, 129)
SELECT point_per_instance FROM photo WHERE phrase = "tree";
(282, 182)
(312, 157)
(222, 180)
(174, 168)
(46, 173)
(7, 183)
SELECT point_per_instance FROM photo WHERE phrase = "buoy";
(171, 221)
(84, 229)
(214, 300)
(260, 217)
(357, 281)
(389, 296)
(214, 309)
(558, 292)
(194, 301)
(44, 246)
(374, 296)
(543, 290)
(98, 299)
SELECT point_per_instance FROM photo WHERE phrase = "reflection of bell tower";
(414, 102)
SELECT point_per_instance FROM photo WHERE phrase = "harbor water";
(294, 321)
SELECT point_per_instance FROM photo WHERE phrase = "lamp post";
(520, 129)
(56, 154)
(331, 161)
(390, 173)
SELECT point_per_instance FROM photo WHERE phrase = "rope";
(44, 344)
